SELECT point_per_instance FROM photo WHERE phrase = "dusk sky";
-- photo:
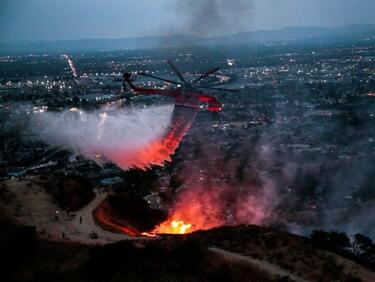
(31, 20)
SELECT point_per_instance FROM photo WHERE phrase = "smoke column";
(213, 17)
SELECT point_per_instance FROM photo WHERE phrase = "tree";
(320, 238)
(331, 240)
(340, 240)
(361, 244)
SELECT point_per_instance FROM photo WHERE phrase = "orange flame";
(192, 212)
(204, 207)
(174, 227)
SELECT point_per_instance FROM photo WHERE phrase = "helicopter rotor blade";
(158, 78)
(205, 75)
(222, 89)
(176, 71)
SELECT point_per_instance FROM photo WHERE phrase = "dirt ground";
(31, 205)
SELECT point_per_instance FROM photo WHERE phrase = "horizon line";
(179, 34)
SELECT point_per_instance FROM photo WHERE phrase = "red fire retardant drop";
(160, 150)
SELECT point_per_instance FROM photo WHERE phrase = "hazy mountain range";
(288, 35)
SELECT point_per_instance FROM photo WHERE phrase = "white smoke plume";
(115, 136)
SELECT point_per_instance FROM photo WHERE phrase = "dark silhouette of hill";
(242, 253)
(291, 34)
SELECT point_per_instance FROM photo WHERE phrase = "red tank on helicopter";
(186, 93)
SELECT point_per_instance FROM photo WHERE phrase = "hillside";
(243, 253)
(250, 253)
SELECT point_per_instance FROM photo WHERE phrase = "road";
(262, 265)
(31, 205)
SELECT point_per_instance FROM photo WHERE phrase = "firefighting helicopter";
(186, 93)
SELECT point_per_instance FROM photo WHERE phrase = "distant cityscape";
(303, 118)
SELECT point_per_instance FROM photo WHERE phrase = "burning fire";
(200, 208)
(204, 207)
(174, 227)
(195, 209)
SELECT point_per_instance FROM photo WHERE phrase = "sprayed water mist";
(115, 136)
